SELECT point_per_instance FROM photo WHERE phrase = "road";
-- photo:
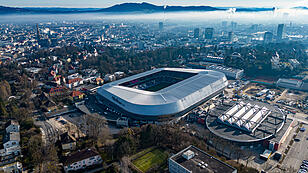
(282, 95)
(96, 107)
(51, 135)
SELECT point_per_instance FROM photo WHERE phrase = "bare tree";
(124, 162)
(95, 126)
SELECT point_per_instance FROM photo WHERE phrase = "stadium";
(249, 122)
(162, 94)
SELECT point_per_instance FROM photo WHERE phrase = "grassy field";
(148, 160)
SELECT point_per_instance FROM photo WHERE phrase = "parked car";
(302, 129)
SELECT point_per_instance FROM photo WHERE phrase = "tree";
(3, 111)
(103, 135)
(35, 150)
(94, 125)
(5, 90)
(43, 158)
(124, 162)
(125, 145)
(50, 160)
(147, 136)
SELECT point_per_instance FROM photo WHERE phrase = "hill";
(123, 8)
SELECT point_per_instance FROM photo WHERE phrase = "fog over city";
(169, 86)
(275, 16)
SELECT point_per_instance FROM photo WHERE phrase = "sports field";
(158, 87)
(149, 159)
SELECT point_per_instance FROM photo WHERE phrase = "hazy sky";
(107, 3)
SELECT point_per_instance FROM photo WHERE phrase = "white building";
(110, 77)
(214, 59)
(119, 74)
(11, 139)
(12, 126)
(290, 83)
(276, 61)
(228, 71)
(294, 62)
(122, 122)
(74, 76)
(12, 167)
(82, 159)
(192, 160)
(71, 83)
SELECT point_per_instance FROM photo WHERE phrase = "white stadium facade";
(162, 94)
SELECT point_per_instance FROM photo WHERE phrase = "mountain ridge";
(123, 8)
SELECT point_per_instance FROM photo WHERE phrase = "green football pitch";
(148, 160)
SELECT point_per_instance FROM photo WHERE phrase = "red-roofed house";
(74, 82)
(99, 81)
(77, 95)
(56, 91)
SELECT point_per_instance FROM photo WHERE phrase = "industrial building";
(291, 84)
(194, 160)
(228, 71)
(245, 116)
(162, 94)
(250, 123)
(214, 59)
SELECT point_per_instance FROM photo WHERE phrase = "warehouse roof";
(201, 161)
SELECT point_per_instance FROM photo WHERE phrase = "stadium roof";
(264, 121)
(168, 94)
(183, 91)
(245, 116)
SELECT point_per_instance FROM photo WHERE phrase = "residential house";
(110, 77)
(81, 160)
(11, 139)
(46, 102)
(56, 91)
(119, 74)
(52, 74)
(12, 126)
(50, 105)
(99, 81)
(74, 82)
(77, 95)
(68, 142)
(12, 167)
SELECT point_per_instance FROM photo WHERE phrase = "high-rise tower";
(280, 32)
(38, 33)
(209, 32)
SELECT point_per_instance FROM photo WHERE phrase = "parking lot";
(298, 150)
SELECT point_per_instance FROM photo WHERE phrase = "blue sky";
(107, 3)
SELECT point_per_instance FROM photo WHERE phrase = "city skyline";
(103, 4)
